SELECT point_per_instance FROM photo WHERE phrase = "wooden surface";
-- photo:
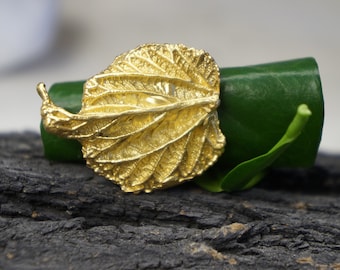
(63, 216)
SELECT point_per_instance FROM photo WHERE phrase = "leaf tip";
(304, 110)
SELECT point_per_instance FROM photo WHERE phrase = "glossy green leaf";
(250, 172)
(67, 95)
(257, 105)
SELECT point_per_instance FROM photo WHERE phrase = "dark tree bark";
(63, 216)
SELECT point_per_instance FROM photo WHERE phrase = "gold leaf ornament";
(149, 120)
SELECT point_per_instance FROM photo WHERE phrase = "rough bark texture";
(63, 216)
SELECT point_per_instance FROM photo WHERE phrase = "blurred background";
(54, 41)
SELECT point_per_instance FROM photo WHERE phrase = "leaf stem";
(250, 172)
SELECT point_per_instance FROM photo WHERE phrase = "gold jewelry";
(149, 120)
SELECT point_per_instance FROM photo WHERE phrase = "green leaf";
(67, 95)
(258, 103)
(248, 173)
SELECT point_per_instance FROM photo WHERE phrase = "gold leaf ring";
(149, 120)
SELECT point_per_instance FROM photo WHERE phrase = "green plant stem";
(250, 172)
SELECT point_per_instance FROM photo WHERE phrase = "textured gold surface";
(149, 120)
